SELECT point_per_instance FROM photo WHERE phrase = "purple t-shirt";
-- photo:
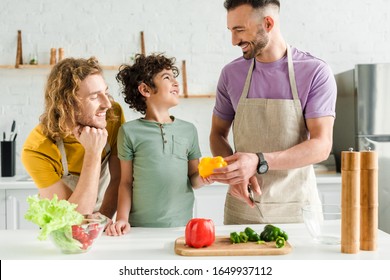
(315, 83)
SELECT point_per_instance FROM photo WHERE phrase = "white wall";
(343, 33)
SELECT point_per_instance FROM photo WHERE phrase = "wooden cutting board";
(223, 247)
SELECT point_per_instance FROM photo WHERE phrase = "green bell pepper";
(252, 235)
(243, 237)
(235, 237)
(279, 242)
(271, 233)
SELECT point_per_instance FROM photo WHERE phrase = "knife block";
(8, 158)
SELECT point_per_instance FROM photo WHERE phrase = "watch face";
(263, 168)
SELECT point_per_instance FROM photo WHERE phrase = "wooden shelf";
(7, 66)
(104, 67)
(26, 66)
(47, 66)
(110, 67)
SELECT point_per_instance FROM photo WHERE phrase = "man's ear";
(268, 23)
(144, 89)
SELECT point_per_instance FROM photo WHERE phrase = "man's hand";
(241, 167)
(239, 173)
(241, 190)
(93, 139)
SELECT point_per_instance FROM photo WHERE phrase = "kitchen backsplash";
(189, 30)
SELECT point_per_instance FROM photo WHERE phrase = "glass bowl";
(323, 223)
(79, 238)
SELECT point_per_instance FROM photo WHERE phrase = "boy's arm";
(193, 174)
(121, 225)
(125, 190)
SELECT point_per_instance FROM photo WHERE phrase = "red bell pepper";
(200, 232)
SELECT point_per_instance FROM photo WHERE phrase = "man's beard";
(261, 42)
(88, 121)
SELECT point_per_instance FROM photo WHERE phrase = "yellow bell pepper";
(208, 164)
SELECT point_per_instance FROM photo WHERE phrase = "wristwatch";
(262, 166)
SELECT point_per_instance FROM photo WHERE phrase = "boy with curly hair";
(159, 154)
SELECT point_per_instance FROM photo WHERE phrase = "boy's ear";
(144, 89)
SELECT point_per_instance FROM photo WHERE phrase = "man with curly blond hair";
(72, 151)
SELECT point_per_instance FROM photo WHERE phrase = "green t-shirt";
(162, 192)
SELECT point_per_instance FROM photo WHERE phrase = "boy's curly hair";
(144, 69)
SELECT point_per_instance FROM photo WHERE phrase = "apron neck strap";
(247, 84)
(291, 75)
(64, 161)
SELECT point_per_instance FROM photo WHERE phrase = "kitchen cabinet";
(16, 207)
(13, 204)
(2, 209)
(329, 187)
(210, 200)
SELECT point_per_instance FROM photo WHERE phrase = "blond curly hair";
(61, 101)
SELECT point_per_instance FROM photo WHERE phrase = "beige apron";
(71, 180)
(269, 125)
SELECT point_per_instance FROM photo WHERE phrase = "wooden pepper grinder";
(368, 200)
(61, 54)
(143, 43)
(19, 51)
(53, 56)
(184, 73)
(350, 201)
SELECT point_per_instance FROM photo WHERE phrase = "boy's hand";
(118, 228)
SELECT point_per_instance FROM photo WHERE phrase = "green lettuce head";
(51, 215)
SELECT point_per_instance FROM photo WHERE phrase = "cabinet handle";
(12, 213)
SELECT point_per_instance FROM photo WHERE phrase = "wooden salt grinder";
(368, 200)
(350, 200)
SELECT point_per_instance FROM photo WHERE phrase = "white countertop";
(158, 244)
(17, 182)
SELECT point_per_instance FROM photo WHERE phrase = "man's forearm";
(220, 146)
(86, 190)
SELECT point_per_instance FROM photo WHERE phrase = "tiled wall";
(343, 33)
